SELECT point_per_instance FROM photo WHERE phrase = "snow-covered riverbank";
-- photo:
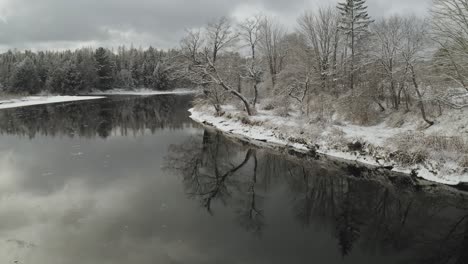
(367, 145)
(144, 92)
(40, 100)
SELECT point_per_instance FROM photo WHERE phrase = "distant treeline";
(86, 69)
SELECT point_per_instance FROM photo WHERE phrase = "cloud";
(40, 24)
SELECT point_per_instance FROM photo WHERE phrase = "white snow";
(143, 92)
(39, 100)
(376, 135)
(271, 133)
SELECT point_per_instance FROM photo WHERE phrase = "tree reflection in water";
(379, 213)
(99, 118)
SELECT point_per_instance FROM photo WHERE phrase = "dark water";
(133, 180)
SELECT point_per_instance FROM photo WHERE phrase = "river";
(132, 179)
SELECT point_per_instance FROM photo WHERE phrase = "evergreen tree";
(25, 78)
(73, 72)
(354, 24)
(104, 69)
(86, 65)
(55, 80)
(73, 83)
(125, 79)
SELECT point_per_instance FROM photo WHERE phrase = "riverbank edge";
(264, 137)
(42, 100)
(144, 92)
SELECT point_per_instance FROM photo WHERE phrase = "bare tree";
(450, 27)
(388, 36)
(320, 30)
(250, 34)
(414, 38)
(192, 43)
(205, 69)
(298, 78)
(220, 35)
(272, 45)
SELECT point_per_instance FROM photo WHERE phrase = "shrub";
(336, 137)
(246, 120)
(358, 109)
(408, 158)
(297, 140)
(463, 162)
(434, 142)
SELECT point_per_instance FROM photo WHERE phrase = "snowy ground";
(268, 129)
(144, 92)
(39, 100)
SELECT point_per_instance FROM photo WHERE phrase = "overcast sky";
(60, 24)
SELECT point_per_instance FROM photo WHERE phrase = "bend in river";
(134, 180)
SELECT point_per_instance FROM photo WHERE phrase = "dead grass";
(434, 142)
(412, 157)
(246, 120)
(336, 138)
(463, 162)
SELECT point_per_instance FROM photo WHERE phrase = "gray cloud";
(40, 24)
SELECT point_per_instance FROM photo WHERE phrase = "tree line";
(85, 70)
(338, 56)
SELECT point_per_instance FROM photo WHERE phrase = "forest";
(336, 56)
(387, 91)
(84, 70)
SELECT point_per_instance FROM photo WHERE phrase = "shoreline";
(54, 99)
(263, 136)
(143, 92)
(41, 100)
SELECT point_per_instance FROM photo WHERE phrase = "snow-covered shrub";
(298, 140)
(336, 138)
(320, 108)
(434, 142)
(438, 142)
(211, 97)
(396, 120)
(268, 104)
(280, 104)
(246, 120)
(463, 162)
(358, 109)
(412, 157)
(283, 106)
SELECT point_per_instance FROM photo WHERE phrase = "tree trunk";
(256, 94)
(352, 60)
(421, 102)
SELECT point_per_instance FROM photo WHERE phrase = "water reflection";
(386, 218)
(138, 183)
(102, 118)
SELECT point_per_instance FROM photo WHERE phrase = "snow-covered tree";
(249, 32)
(25, 78)
(272, 44)
(387, 44)
(207, 70)
(104, 69)
(450, 28)
(354, 24)
(320, 30)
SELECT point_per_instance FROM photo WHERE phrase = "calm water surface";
(133, 180)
